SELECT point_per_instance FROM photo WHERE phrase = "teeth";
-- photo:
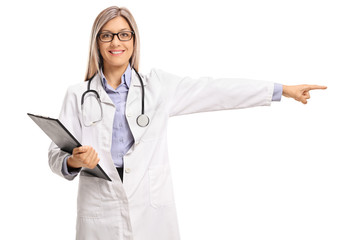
(113, 52)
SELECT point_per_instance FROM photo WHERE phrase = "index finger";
(314, 87)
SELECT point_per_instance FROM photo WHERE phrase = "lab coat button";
(127, 170)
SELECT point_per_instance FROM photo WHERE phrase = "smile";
(116, 52)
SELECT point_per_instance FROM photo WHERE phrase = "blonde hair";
(95, 60)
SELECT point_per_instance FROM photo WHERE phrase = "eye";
(105, 36)
(124, 34)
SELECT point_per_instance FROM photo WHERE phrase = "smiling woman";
(107, 22)
(138, 204)
(117, 51)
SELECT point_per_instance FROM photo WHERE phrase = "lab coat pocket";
(161, 193)
(89, 199)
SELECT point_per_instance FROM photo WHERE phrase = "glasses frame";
(117, 34)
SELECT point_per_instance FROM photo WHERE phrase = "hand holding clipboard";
(83, 156)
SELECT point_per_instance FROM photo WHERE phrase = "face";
(116, 53)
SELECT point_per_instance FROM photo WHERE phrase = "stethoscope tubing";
(142, 93)
(142, 120)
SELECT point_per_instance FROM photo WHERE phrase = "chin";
(117, 64)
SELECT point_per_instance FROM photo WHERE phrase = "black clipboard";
(58, 133)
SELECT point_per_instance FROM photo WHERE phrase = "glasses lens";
(91, 109)
(106, 37)
(125, 36)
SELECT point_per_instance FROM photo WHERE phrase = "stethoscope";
(142, 120)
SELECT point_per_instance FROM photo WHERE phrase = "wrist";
(285, 92)
(71, 163)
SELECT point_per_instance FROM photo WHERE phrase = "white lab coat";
(142, 207)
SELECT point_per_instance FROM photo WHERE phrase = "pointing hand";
(300, 93)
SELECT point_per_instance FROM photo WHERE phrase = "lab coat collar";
(126, 78)
(98, 86)
(104, 97)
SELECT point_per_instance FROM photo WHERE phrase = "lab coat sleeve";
(69, 171)
(186, 95)
(69, 116)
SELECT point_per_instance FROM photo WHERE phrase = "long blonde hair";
(95, 60)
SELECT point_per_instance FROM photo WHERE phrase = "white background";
(287, 171)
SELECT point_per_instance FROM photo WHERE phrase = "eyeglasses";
(122, 36)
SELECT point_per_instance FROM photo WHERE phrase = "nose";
(116, 41)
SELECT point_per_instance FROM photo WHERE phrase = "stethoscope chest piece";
(143, 120)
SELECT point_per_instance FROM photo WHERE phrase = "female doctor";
(120, 117)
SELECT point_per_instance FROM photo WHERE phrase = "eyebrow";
(104, 30)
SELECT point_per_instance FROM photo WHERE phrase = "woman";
(138, 203)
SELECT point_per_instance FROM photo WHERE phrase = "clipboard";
(58, 133)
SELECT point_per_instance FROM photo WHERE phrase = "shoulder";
(74, 92)
(78, 88)
(162, 76)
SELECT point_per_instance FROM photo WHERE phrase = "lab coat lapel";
(106, 163)
(104, 97)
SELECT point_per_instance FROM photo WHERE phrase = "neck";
(113, 74)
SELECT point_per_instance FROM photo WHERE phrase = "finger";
(79, 150)
(82, 155)
(88, 155)
(95, 161)
(306, 95)
(315, 87)
(92, 158)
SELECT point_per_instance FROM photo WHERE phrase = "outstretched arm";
(300, 93)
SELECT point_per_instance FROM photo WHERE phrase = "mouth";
(116, 52)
